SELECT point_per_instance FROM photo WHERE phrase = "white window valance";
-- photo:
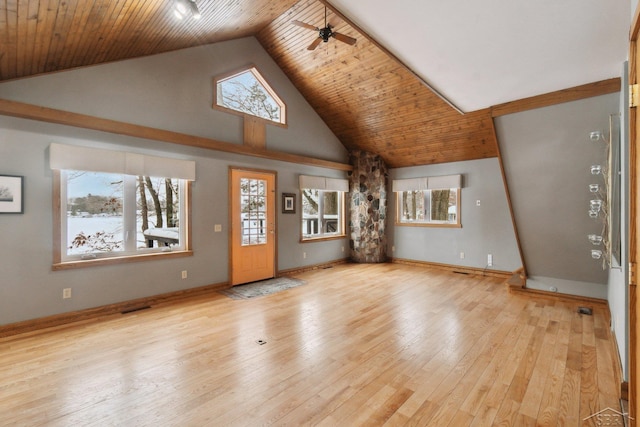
(71, 157)
(323, 183)
(412, 184)
(427, 183)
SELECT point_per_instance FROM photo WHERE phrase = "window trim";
(341, 219)
(458, 223)
(268, 87)
(59, 264)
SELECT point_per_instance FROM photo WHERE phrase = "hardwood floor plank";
(362, 345)
(538, 377)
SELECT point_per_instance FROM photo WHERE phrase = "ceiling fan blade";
(304, 25)
(344, 39)
(315, 44)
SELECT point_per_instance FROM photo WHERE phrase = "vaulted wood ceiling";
(367, 98)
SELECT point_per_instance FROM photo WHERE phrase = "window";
(110, 215)
(429, 201)
(321, 213)
(115, 214)
(253, 205)
(322, 207)
(437, 207)
(247, 92)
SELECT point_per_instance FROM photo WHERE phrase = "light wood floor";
(357, 345)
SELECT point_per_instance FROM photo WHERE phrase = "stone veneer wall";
(368, 207)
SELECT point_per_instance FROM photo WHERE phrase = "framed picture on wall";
(288, 203)
(11, 194)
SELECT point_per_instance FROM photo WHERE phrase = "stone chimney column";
(368, 208)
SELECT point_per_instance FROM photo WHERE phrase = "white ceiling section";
(480, 54)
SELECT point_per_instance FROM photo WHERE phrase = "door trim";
(634, 247)
(230, 216)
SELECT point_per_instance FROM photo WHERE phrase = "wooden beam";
(51, 115)
(255, 133)
(589, 90)
(635, 25)
(509, 203)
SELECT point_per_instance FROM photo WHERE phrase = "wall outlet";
(461, 255)
(489, 260)
(217, 228)
(184, 274)
(477, 202)
(393, 248)
(66, 293)
(343, 249)
(304, 255)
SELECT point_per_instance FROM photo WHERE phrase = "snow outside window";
(105, 215)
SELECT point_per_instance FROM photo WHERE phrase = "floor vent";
(131, 310)
(585, 310)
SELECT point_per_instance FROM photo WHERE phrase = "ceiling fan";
(324, 33)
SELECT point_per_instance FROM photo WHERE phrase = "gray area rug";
(264, 287)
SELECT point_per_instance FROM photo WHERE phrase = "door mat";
(262, 288)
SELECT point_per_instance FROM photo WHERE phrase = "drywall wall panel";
(547, 155)
(174, 91)
(486, 229)
(170, 91)
(30, 289)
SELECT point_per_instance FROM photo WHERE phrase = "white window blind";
(71, 157)
(323, 183)
(427, 183)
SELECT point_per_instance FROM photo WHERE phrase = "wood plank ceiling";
(369, 100)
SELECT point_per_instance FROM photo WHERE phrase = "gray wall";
(486, 229)
(174, 91)
(30, 289)
(547, 154)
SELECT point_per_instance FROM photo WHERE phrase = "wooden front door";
(253, 238)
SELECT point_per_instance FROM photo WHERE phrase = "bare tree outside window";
(440, 205)
(96, 207)
(247, 92)
(429, 207)
(249, 99)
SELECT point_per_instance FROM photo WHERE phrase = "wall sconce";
(595, 239)
(596, 135)
(185, 8)
(599, 205)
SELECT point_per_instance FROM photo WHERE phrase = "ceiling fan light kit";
(325, 33)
